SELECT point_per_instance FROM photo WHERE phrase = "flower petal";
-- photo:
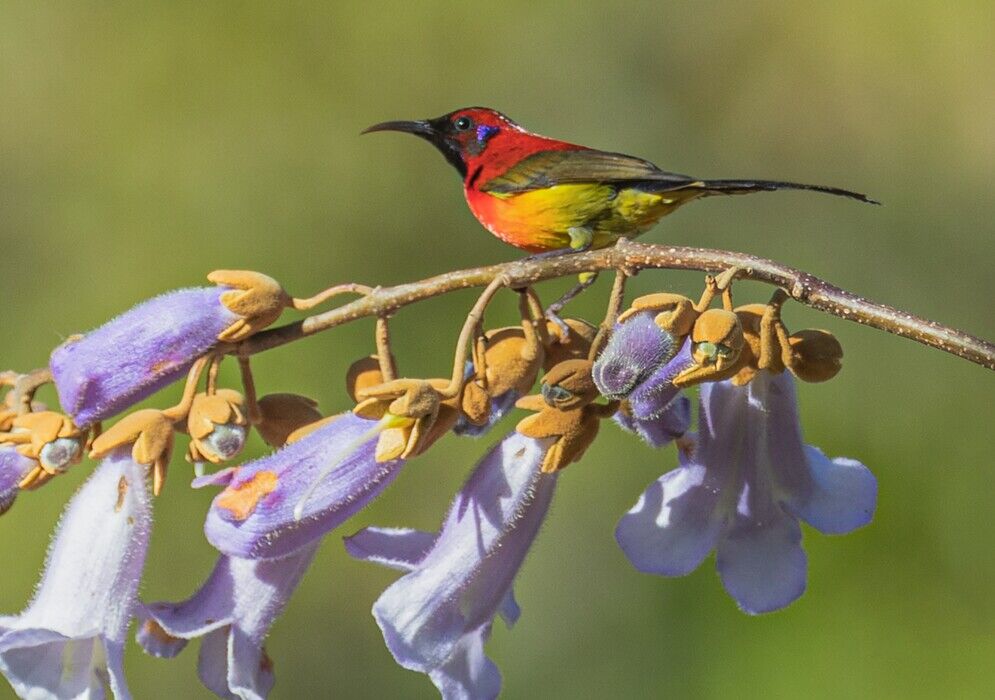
(464, 579)
(675, 523)
(212, 662)
(761, 561)
(247, 593)
(233, 612)
(134, 355)
(843, 497)
(250, 673)
(115, 669)
(95, 562)
(43, 664)
(673, 422)
(469, 674)
(81, 610)
(254, 516)
(395, 547)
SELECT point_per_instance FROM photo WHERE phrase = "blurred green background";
(145, 144)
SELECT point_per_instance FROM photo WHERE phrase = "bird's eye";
(463, 124)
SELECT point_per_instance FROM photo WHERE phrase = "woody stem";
(631, 255)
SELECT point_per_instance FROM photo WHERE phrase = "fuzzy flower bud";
(129, 358)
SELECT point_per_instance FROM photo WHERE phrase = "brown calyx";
(283, 415)
(573, 345)
(565, 411)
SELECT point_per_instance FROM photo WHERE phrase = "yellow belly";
(541, 219)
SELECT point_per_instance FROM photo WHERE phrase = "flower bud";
(636, 348)
(129, 358)
(217, 425)
(282, 414)
(363, 374)
(818, 353)
(573, 345)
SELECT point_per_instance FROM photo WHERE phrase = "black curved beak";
(432, 130)
(419, 128)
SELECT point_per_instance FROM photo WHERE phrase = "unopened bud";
(282, 414)
(363, 374)
(819, 355)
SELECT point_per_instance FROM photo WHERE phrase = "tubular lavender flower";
(654, 395)
(742, 491)
(13, 468)
(436, 618)
(134, 355)
(671, 423)
(639, 364)
(254, 516)
(232, 611)
(636, 348)
(69, 642)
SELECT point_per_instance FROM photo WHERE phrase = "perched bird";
(540, 194)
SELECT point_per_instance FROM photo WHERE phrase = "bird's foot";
(586, 279)
(581, 239)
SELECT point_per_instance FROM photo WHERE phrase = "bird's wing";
(548, 168)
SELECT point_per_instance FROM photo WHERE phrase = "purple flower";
(654, 395)
(742, 491)
(134, 355)
(254, 517)
(436, 618)
(233, 612)
(69, 642)
(637, 347)
(13, 467)
(662, 429)
(639, 365)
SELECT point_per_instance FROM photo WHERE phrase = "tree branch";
(632, 256)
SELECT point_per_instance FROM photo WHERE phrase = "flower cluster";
(744, 481)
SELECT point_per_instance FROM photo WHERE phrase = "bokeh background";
(145, 144)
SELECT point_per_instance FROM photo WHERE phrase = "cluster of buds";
(666, 342)
(101, 373)
(504, 365)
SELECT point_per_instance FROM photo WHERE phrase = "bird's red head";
(463, 136)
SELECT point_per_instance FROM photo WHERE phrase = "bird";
(547, 196)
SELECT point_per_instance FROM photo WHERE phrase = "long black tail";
(747, 186)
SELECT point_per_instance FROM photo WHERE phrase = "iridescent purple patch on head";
(485, 132)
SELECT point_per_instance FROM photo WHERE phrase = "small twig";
(320, 297)
(801, 286)
(473, 319)
(25, 387)
(614, 308)
(249, 387)
(385, 356)
(179, 411)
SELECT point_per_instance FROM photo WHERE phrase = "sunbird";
(543, 195)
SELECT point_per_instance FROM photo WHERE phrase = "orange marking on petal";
(241, 500)
(155, 630)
